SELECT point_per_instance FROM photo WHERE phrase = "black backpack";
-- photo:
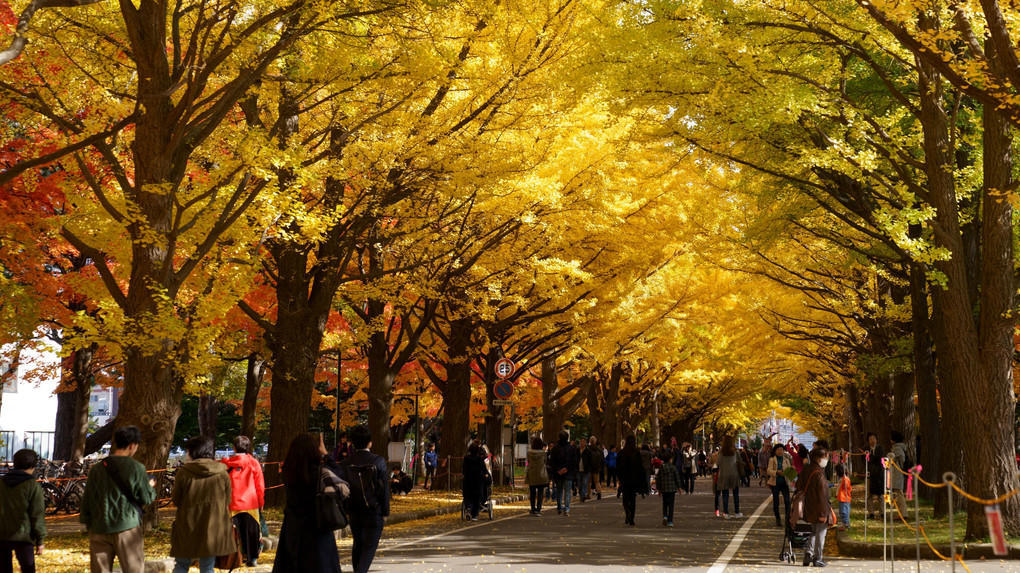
(365, 487)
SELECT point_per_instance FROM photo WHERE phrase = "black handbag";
(329, 509)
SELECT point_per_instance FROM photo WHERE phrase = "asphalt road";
(593, 538)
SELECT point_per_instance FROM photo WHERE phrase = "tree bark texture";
(252, 384)
(457, 390)
(978, 395)
(208, 413)
(924, 380)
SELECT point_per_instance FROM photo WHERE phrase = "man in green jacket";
(111, 507)
(22, 514)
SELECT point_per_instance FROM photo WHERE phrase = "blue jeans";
(564, 491)
(205, 564)
(844, 513)
(726, 500)
(585, 484)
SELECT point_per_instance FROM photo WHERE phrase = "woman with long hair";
(633, 480)
(729, 477)
(537, 475)
(304, 547)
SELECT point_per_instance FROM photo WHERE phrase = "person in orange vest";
(843, 496)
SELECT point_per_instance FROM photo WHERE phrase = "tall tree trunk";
(208, 414)
(457, 392)
(494, 415)
(552, 420)
(67, 399)
(979, 356)
(380, 388)
(252, 384)
(925, 382)
(992, 400)
(611, 434)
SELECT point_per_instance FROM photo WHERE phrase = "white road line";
(731, 549)
(445, 533)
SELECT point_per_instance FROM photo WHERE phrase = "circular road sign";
(503, 390)
(504, 368)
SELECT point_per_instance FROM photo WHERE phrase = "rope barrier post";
(885, 513)
(949, 478)
(867, 494)
(917, 516)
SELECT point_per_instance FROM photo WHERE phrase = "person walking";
(777, 480)
(817, 508)
(611, 480)
(897, 480)
(646, 464)
(22, 514)
(763, 464)
(876, 477)
(667, 481)
(730, 476)
(564, 461)
(431, 463)
(303, 546)
(537, 475)
(369, 499)
(633, 480)
(476, 476)
(202, 527)
(247, 497)
(116, 490)
(593, 464)
(687, 460)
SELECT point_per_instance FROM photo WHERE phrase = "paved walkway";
(593, 538)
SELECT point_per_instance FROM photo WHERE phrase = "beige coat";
(772, 470)
(202, 527)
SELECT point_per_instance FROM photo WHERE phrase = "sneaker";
(558, 511)
(717, 514)
(598, 495)
(739, 515)
(474, 519)
(820, 563)
(670, 524)
(566, 514)
(807, 559)
(665, 520)
(729, 516)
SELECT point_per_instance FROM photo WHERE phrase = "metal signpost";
(504, 390)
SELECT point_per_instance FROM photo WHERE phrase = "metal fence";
(41, 442)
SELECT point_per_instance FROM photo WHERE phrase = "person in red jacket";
(247, 497)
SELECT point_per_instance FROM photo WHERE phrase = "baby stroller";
(486, 503)
(795, 538)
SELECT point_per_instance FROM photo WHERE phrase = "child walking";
(22, 519)
(668, 483)
(843, 496)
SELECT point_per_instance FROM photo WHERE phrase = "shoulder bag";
(329, 509)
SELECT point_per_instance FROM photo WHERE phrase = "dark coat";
(876, 483)
(631, 472)
(563, 457)
(364, 458)
(593, 458)
(816, 494)
(304, 548)
(202, 526)
(476, 477)
(22, 517)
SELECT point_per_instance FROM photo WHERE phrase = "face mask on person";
(823, 463)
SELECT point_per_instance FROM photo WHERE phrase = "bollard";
(917, 514)
(867, 495)
(949, 478)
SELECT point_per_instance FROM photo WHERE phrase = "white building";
(28, 411)
(29, 408)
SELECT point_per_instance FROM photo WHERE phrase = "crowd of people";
(219, 503)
